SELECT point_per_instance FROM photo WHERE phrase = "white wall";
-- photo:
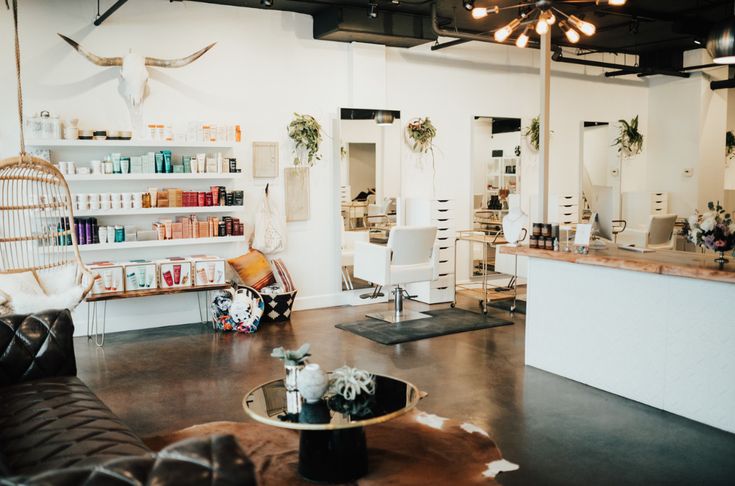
(267, 66)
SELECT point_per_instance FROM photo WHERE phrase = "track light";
(373, 11)
(480, 12)
(572, 35)
(468, 4)
(266, 3)
(504, 33)
(586, 28)
(522, 40)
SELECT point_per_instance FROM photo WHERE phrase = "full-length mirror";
(496, 174)
(369, 149)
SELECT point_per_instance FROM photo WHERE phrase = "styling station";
(635, 332)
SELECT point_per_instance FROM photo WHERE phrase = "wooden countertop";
(664, 262)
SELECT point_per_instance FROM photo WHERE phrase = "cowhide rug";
(415, 449)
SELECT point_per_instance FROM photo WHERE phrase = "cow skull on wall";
(133, 71)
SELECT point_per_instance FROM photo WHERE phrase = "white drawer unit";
(659, 203)
(564, 209)
(638, 207)
(439, 213)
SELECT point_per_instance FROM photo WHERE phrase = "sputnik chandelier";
(541, 16)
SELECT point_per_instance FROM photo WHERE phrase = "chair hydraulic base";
(398, 314)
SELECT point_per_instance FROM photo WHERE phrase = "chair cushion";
(58, 423)
(253, 269)
(403, 274)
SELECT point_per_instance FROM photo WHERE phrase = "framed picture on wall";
(265, 160)
(296, 182)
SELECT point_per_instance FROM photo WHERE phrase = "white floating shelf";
(150, 177)
(129, 245)
(126, 143)
(176, 210)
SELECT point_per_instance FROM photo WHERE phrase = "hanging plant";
(630, 140)
(306, 134)
(730, 144)
(532, 133)
(421, 133)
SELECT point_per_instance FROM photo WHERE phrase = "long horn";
(100, 61)
(176, 63)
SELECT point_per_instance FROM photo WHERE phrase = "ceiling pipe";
(724, 84)
(621, 68)
(109, 12)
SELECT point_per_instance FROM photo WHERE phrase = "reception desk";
(658, 328)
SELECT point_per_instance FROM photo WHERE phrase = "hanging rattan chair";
(40, 265)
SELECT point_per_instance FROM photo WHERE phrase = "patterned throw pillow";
(253, 269)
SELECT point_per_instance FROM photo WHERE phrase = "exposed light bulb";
(522, 40)
(572, 35)
(617, 3)
(479, 12)
(542, 27)
(586, 28)
(550, 17)
(502, 34)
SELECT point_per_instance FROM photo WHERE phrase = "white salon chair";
(661, 232)
(410, 256)
(658, 235)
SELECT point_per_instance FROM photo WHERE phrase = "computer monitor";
(601, 205)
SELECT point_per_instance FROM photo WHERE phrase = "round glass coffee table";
(332, 445)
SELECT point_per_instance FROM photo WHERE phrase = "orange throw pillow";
(253, 269)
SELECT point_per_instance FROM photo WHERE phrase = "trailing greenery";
(630, 140)
(532, 133)
(730, 144)
(421, 133)
(291, 357)
(306, 134)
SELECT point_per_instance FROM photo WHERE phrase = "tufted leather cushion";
(36, 346)
(212, 461)
(59, 423)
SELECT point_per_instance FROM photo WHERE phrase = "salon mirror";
(599, 167)
(496, 173)
(369, 148)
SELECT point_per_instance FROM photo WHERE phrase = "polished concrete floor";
(559, 431)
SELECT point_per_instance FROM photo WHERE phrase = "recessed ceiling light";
(266, 3)
(468, 4)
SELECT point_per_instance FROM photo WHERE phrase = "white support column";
(544, 117)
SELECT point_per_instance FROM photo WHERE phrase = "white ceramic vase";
(313, 383)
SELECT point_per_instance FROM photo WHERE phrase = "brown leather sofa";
(55, 432)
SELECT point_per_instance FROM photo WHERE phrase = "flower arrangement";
(730, 144)
(421, 133)
(630, 140)
(291, 357)
(306, 134)
(714, 230)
